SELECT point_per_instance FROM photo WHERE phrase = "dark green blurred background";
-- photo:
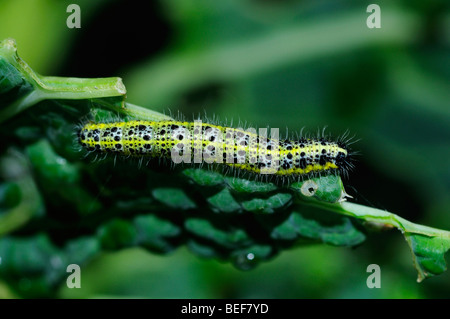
(288, 64)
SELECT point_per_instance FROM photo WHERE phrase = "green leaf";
(224, 202)
(117, 234)
(225, 236)
(241, 185)
(61, 178)
(326, 188)
(321, 226)
(156, 234)
(428, 254)
(204, 177)
(173, 197)
(269, 205)
(428, 245)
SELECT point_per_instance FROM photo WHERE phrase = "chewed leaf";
(428, 254)
(428, 245)
(324, 188)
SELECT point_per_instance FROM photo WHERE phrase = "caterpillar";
(199, 142)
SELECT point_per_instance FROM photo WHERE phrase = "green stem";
(375, 215)
(50, 87)
(428, 245)
(67, 89)
(142, 113)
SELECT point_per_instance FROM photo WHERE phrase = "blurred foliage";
(288, 64)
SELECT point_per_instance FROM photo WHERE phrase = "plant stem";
(50, 87)
(375, 215)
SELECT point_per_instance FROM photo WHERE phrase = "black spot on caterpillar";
(197, 142)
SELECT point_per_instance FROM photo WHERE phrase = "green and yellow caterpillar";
(197, 142)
